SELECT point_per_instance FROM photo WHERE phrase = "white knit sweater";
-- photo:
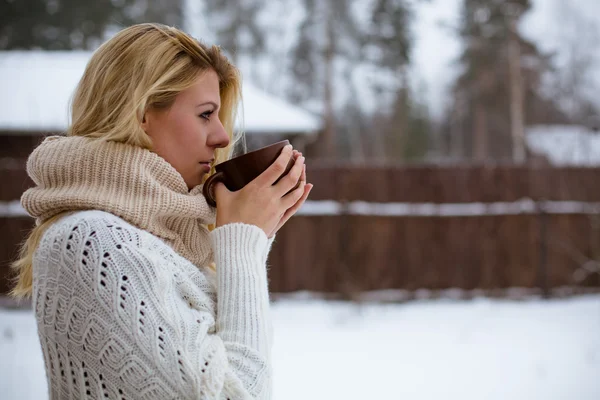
(121, 315)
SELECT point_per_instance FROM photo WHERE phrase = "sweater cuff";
(238, 239)
(242, 284)
(268, 248)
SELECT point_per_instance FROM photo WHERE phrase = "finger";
(290, 199)
(292, 210)
(292, 178)
(219, 190)
(303, 177)
(271, 174)
(279, 225)
(302, 199)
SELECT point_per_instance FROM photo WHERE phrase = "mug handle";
(207, 187)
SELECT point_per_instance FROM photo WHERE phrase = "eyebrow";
(215, 105)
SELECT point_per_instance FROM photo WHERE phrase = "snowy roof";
(565, 144)
(36, 88)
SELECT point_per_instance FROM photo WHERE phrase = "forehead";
(205, 88)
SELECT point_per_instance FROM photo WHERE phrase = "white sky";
(436, 47)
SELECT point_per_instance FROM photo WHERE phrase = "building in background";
(564, 145)
(36, 88)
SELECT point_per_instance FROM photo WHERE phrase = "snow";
(395, 209)
(264, 113)
(524, 206)
(565, 144)
(12, 208)
(37, 87)
(420, 350)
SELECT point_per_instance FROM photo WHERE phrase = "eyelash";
(206, 115)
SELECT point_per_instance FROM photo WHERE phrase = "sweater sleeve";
(268, 249)
(120, 317)
(243, 318)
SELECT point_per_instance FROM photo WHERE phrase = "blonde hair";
(142, 67)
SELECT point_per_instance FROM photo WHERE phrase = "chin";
(193, 183)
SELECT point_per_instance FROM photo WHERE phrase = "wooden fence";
(345, 252)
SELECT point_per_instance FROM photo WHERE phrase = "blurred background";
(451, 245)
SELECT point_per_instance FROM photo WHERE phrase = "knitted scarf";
(77, 173)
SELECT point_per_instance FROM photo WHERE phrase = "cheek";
(179, 140)
(188, 135)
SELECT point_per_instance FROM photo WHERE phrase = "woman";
(134, 296)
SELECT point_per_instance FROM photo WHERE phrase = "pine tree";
(334, 41)
(388, 46)
(74, 24)
(329, 40)
(500, 79)
(573, 79)
(389, 33)
(235, 24)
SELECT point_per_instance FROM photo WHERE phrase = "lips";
(206, 165)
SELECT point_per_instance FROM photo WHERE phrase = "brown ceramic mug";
(239, 171)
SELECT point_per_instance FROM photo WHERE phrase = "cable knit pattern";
(127, 301)
(122, 316)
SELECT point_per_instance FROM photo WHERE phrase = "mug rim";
(286, 141)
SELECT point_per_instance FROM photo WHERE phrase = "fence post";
(543, 243)
(346, 286)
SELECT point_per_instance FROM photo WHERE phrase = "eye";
(206, 115)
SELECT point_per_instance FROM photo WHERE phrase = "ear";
(145, 124)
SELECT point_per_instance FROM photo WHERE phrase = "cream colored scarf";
(78, 173)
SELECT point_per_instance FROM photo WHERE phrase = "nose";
(218, 137)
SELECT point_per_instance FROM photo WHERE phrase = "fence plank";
(352, 253)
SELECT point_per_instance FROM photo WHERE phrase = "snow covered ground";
(421, 350)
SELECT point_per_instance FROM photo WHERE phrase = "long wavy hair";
(142, 67)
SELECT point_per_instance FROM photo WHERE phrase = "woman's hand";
(260, 202)
(291, 211)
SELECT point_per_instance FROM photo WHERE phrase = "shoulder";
(92, 219)
(98, 240)
(99, 224)
(102, 231)
(98, 249)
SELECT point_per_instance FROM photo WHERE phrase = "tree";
(336, 46)
(235, 24)
(501, 73)
(576, 60)
(329, 41)
(73, 24)
(389, 35)
(389, 39)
